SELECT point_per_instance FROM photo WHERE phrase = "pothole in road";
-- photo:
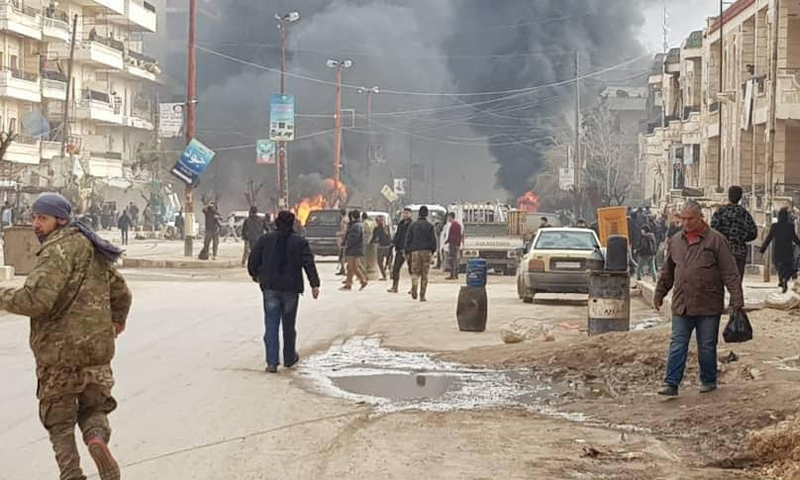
(362, 371)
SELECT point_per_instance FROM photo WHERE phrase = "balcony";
(788, 98)
(19, 20)
(54, 85)
(97, 106)
(24, 150)
(103, 51)
(105, 164)
(55, 25)
(104, 7)
(20, 85)
(142, 67)
(142, 16)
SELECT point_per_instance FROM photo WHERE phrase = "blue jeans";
(280, 308)
(707, 334)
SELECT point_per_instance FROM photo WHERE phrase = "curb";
(129, 262)
(648, 290)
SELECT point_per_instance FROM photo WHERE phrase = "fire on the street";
(333, 195)
(528, 202)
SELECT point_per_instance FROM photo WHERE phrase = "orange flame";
(333, 195)
(528, 202)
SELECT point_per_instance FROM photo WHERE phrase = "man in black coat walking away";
(421, 244)
(277, 263)
(400, 248)
(784, 237)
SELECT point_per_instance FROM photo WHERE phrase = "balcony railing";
(55, 14)
(106, 155)
(150, 7)
(23, 75)
(109, 42)
(54, 75)
(96, 96)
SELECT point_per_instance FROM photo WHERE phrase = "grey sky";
(685, 16)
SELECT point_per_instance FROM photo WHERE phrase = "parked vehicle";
(320, 231)
(239, 217)
(486, 236)
(559, 261)
(171, 232)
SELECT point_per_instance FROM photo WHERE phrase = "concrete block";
(6, 273)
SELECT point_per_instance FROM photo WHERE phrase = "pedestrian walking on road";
(125, 223)
(383, 240)
(698, 266)
(180, 224)
(455, 240)
(369, 263)
(340, 233)
(420, 246)
(253, 228)
(646, 252)
(213, 227)
(77, 303)
(277, 263)
(354, 249)
(736, 224)
(400, 248)
(785, 238)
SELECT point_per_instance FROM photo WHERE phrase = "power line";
(421, 93)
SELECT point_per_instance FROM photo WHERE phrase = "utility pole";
(339, 65)
(191, 104)
(577, 154)
(721, 90)
(370, 144)
(768, 184)
(283, 170)
(65, 122)
(665, 45)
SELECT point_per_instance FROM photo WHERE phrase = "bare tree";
(252, 191)
(609, 154)
(6, 139)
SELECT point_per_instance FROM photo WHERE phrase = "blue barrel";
(476, 272)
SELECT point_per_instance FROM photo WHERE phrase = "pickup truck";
(491, 242)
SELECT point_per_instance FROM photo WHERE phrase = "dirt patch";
(778, 449)
(757, 390)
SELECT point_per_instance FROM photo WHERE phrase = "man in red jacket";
(455, 240)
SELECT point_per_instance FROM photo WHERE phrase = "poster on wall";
(281, 118)
(170, 120)
(265, 152)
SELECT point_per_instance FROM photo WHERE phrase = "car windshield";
(325, 218)
(554, 240)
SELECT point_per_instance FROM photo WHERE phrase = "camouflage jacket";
(73, 297)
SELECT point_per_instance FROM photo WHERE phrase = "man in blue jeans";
(698, 266)
(277, 263)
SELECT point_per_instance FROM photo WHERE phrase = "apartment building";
(717, 108)
(111, 114)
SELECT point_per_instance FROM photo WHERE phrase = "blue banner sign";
(193, 162)
(281, 118)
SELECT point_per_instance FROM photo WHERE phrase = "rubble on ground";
(778, 449)
(525, 330)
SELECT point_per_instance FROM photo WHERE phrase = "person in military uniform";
(78, 303)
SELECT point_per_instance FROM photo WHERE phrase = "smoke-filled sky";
(460, 86)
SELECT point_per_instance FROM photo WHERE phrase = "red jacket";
(455, 236)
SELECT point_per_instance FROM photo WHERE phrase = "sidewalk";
(755, 292)
(154, 253)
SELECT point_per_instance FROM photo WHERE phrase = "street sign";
(281, 118)
(566, 178)
(170, 120)
(265, 152)
(400, 188)
(193, 162)
(389, 194)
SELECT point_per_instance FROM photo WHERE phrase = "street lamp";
(339, 65)
(283, 172)
(370, 92)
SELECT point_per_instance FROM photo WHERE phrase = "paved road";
(196, 404)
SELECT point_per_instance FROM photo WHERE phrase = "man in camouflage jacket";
(78, 303)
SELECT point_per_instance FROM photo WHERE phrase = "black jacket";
(381, 236)
(265, 263)
(421, 237)
(354, 240)
(783, 234)
(252, 229)
(400, 235)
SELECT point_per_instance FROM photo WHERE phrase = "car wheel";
(527, 299)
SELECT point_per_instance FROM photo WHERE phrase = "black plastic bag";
(738, 329)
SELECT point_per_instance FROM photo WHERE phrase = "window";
(12, 125)
(561, 240)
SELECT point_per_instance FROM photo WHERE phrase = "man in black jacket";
(252, 230)
(421, 244)
(400, 248)
(277, 263)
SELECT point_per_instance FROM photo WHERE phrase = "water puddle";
(362, 371)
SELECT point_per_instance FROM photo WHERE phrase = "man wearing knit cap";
(78, 303)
